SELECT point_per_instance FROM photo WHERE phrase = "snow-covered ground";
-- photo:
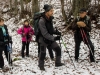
(29, 66)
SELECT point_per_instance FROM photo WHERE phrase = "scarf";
(3, 30)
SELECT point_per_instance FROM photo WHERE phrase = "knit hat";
(47, 7)
(82, 10)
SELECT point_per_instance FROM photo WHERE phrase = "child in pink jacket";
(26, 32)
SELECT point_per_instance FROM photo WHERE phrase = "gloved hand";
(30, 34)
(58, 33)
(57, 38)
(23, 34)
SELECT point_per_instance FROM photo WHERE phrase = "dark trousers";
(49, 50)
(8, 57)
(78, 41)
(25, 45)
(53, 46)
(38, 48)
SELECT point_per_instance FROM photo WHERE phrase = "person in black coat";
(4, 40)
(46, 37)
(82, 22)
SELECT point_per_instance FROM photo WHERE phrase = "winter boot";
(92, 60)
(41, 65)
(76, 59)
(58, 61)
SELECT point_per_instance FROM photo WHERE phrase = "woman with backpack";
(26, 32)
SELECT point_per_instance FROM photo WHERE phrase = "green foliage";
(16, 59)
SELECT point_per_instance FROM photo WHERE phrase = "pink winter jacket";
(26, 31)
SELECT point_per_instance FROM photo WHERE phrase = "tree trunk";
(11, 8)
(15, 12)
(95, 2)
(78, 4)
(35, 6)
(63, 11)
(76, 7)
(98, 6)
(22, 9)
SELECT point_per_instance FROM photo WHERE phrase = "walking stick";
(9, 49)
(85, 38)
(66, 49)
(68, 52)
(84, 35)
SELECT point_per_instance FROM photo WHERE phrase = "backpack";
(36, 19)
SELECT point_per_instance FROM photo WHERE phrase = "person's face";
(1, 23)
(26, 23)
(83, 14)
(50, 13)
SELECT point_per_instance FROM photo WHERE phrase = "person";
(46, 37)
(4, 41)
(26, 32)
(83, 22)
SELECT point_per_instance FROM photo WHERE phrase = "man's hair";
(1, 19)
(26, 21)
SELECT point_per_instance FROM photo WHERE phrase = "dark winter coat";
(46, 29)
(87, 29)
(2, 37)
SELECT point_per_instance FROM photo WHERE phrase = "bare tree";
(15, 7)
(63, 11)
(98, 6)
(22, 8)
(77, 4)
(35, 6)
(11, 8)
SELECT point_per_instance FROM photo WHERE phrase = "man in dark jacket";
(46, 38)
(4, 40)
(82, 22)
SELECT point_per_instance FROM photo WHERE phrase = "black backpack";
(36, 19)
